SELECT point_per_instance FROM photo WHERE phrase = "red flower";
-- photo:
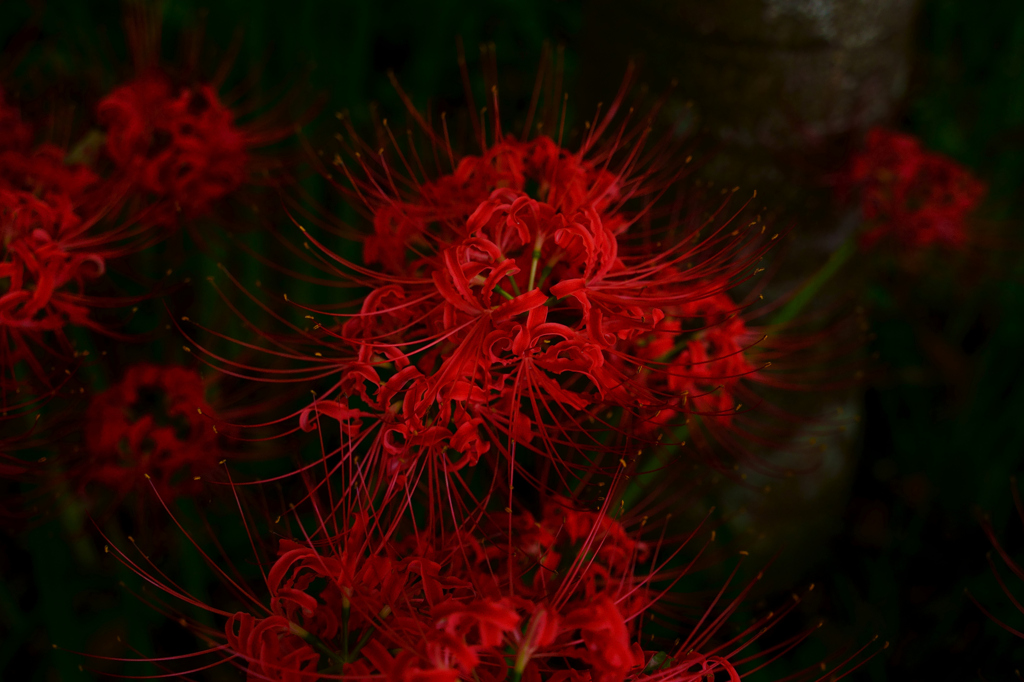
(524, 291)
(536, 310)
(180, 145)
(50, 247)
(151, 428)
(914, 196)
(377, 612)
(538, 304)
(369, 595)
(562, 525)
(714, 361)
(608, 648)
(272, 649)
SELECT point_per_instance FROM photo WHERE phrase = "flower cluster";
(538, 326)
(537, 303)
(560, 597)
(154, 425)
(439, 613)
(179, 146)
(534, 314)
(68, 213)
(915, 197)
(49, 245)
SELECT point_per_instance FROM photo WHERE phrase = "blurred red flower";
(154, 424)
(179, 145)
(915, 197)
(50, 247)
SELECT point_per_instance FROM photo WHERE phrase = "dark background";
(942, 410)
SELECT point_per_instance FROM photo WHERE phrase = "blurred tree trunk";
(770, 79)
(783, 90)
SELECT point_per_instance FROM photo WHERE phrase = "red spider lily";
(361, 598)
(714, 362)
(916, 197)
(51, 246)
(61, 223)
(175, 143)
(534, 305)
(178, 145)
(44, 272)
(154, 425)
(159, 426)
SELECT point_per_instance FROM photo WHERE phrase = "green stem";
(316, 643)
(504, 293)
(548, 267)
(87, 149)
(536, 259)
(346, 610)
(361, 643)
(811, 288)
(354, 655)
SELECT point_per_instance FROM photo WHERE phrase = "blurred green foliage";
(943, 433)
